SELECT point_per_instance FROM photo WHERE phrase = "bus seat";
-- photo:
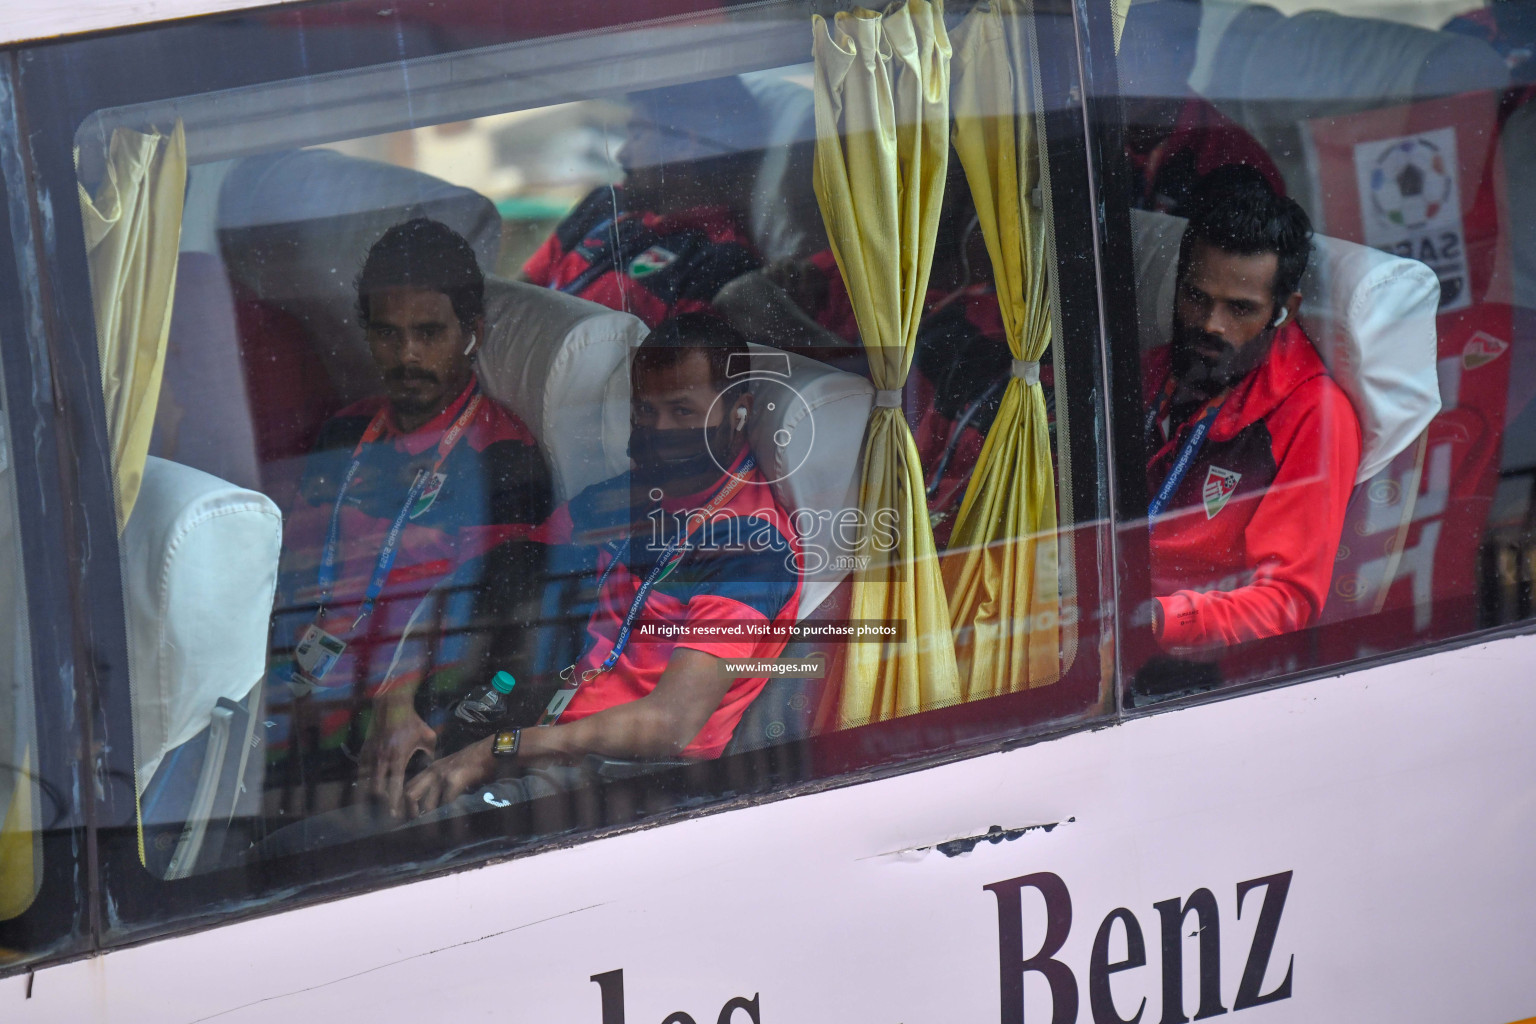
(1270, 73)
(1370, 314)
(808, 448)
(203, 418)
(200, 561)
(783, 217)
(295, 227)
(551, 359)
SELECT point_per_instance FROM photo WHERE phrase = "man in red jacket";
(1254, 447)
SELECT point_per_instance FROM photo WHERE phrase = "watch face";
(505, 743)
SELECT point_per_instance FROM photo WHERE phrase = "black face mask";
(662, 455)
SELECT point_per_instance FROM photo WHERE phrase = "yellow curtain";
(132, 233)
(882, 126)
(1001, 568)
(1118, 10)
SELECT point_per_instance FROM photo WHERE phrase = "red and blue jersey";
(741, 567)
(492, 486)
(652, 265)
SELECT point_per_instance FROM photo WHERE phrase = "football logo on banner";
(1411, 206)
(1219, 485)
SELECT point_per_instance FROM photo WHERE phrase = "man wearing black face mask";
(1254, 447)
(692, 537)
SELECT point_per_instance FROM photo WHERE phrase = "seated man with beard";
(404, 488)
(1254, 447)
(691, 535)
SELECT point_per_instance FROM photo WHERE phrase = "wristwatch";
(506, 742)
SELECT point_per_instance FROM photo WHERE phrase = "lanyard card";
(317, 652)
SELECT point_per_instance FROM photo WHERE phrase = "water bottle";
(486, 705)
(478, 714)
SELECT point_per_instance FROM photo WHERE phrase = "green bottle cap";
(503, 682)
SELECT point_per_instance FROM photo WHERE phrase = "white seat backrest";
(808, 448)
(784, 219)
(295, 228)
(200, 561)
(551, 359)
(806, 431)
(1370, 314)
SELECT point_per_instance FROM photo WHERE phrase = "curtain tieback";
(1027, 370)
(888, 399)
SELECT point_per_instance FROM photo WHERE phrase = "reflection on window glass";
(1336, 433)
(530, 465)
(27, 806)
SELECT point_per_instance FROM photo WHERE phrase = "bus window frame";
(62, 920)
(47, 92)
(1128, 453)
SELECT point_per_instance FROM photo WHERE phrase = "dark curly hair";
(672, 340)
(1236, 211)
(424, 253)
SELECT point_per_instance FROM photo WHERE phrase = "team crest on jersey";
(1219, 485)
(428, 494)
(653, 259)
(1482, 349)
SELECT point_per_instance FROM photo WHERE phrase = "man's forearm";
(632, 731)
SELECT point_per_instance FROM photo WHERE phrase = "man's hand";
(398, 732)
(450, 777)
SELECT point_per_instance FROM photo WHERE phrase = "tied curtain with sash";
(1001, 567)
(132, 234)
(882, 149)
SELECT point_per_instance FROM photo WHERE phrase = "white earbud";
(1281, 318)
(471, 346)
(741, 418)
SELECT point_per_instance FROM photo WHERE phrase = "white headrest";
(1371, 316)
(199, 571)
(784, 218)
(807, 446)
(1317, 61)
(551, 359)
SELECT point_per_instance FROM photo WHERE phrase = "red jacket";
(1246, 546)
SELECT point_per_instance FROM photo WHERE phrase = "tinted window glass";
(1334, 461)
(516, 441)
(41, 903)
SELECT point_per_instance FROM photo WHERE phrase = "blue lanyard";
(391, 546)
(669, 557)
(1186, 457)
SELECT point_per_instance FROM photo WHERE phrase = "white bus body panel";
(27, 20)
(1403, 799)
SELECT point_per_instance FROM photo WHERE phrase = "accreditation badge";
(429, 494)
(317, 652)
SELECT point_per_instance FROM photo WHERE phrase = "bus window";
(519, 441)
(39, 823)
(1331, 390)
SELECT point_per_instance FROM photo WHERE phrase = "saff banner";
(1415, 180)
(1421, 181)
